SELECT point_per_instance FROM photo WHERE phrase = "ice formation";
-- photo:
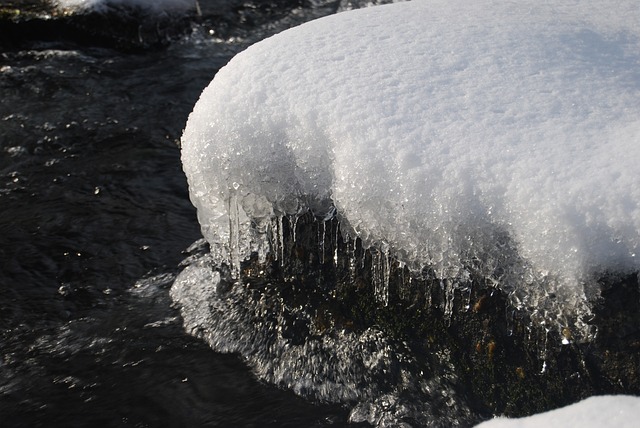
(611, 411)
(367, 370)
(442, 131)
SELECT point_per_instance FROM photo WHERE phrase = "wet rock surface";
(499, 359)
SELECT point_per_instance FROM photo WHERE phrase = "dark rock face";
(504, 363)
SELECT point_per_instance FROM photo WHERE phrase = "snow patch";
(619, 411)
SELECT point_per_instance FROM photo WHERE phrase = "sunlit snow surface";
(595, 412)
(503, 133)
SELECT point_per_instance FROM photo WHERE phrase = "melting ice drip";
(444, 133)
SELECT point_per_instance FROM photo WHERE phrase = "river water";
(100, 280)
(94, 220)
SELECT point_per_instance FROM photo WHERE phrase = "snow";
(445, 131)
(604, 411)
(155, 5)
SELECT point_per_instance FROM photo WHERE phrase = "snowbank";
(445, 131)
(595, 412)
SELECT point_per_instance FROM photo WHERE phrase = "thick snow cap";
(443, 130)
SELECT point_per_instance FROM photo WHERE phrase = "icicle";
(428, 296)
(293, 222)
(381, 277)
(375, 262)
(449, 298)
(263, 251)
(335, 246)
(319, 239)
(467, 297)
(403, 290)
(273, 238)
(276, 238)
(324, 233)
(281, 240)
(385, 278)
(234, 232)
(544, 352)
(351, 245)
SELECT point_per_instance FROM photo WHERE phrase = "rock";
(505, 362)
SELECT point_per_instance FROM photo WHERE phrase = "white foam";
(619, 411)
(436, 127)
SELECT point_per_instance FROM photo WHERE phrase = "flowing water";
(94, 216)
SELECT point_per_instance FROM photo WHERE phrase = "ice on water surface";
(506, 133)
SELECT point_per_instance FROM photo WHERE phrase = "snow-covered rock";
(447, 132)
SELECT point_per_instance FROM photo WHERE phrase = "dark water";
(94, 218)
